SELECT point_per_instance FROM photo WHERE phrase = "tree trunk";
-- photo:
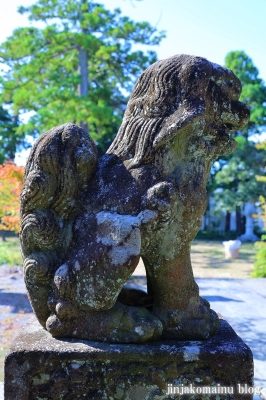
(3, 236)
(227, 221)
(238, 221)
(83, 87)
(12, 153)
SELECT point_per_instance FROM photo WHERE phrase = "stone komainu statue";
(86, 221)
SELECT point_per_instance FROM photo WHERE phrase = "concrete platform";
(39, 367)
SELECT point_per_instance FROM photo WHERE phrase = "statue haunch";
(86, 221)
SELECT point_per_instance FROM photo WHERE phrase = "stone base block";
(41, 367)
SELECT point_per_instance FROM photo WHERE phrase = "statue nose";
(237, 117)
(242, 111)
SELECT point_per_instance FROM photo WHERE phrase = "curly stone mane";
(168, 96)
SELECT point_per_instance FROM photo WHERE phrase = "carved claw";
(197, 322)
(120, 324)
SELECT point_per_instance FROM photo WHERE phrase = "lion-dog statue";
(87, 221)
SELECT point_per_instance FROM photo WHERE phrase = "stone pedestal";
(41, 367)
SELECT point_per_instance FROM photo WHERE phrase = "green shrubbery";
(10, 252)
(260, 264)
(215, 235)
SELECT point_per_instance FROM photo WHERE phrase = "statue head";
(181, 96)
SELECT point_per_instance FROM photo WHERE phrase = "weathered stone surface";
(40, 367)
(86, 222)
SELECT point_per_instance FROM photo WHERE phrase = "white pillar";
(249, 210)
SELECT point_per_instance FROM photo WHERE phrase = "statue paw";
(197, 322)
(120, 324)
(199, 327)
(137, 325)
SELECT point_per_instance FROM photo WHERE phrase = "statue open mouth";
(230, 128)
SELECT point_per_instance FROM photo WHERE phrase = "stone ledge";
(41, 367)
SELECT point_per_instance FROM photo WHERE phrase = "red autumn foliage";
(11, 178)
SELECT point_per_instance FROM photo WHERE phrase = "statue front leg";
(166, 255)
(184, 314)
(84, 303)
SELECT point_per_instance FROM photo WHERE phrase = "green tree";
(10, 143)
(237, 178)
(253, 90)
(78, 67)
(235, 174)
(260, 264)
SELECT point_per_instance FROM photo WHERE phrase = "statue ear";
(186, 114)
(227, 81)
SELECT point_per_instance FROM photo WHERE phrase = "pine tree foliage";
(76, 64)
(9, 141)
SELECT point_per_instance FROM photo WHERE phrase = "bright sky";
(206, 28)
